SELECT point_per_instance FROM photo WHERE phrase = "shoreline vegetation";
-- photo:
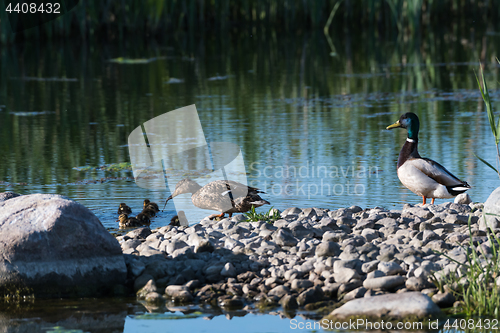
(115, 20)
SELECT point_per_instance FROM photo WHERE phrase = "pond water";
(310, 126)
(308, 116)
(129, 315)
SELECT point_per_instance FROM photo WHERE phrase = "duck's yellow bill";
(395, 125)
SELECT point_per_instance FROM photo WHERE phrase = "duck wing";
(437, 172)
(220, 195)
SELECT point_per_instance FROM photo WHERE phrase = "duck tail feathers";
(260, 202)
(457, 189)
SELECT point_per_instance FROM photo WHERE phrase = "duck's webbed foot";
(215, 216)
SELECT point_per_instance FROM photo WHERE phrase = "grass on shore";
(269, 217)
(478, 289)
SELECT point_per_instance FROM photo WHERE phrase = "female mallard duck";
(124, 209)
(151, 205)
(423, 176)
(225, 196)
(131, 222)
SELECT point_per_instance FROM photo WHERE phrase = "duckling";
(179, 220)
(151, 205)
(174, 221)
(141, 217)
(124, 209)
(148, 211)
(129, 222)
(225, 196)
(423, 176)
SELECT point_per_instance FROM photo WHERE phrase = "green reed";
(495, 128)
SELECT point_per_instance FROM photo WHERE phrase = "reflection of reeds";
(269, 94)
(114, 18)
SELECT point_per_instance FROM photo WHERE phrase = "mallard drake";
(124, 209)
(423, 176)
(225, 196)
(130, 222)
(151, 205)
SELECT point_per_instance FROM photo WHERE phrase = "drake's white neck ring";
(410, 140)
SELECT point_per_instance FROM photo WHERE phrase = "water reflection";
(284, 100)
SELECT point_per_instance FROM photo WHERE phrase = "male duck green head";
(423, 176)
(409, 121)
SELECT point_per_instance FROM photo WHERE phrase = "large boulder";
(51, 246)
(491, 212)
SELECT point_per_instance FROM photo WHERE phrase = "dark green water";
(286, 101)
(311, 126)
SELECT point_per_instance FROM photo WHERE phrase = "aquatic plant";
(270, 216)
(117, 19)
(477, 288)
(495, 128)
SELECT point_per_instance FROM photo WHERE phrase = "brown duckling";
(129, 222)
(179, 220)
(124, 209)
(148, 211)
(141, 217)
(174, 221)
(151, 205)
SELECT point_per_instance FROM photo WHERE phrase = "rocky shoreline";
(309, 259)
(348, 262)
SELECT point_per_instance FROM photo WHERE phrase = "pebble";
(309, 256)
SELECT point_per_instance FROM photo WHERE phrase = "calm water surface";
(311, 126)
(306, 121)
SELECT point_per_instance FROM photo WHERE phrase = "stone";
(204, 246)
(179, 294)
(345, 275)
(413, 304)
(417, 284)
(327, 249)
(279, 291)
(284, 238)
(150, 287)
(154, 298)
(356, 293)
(142, 281)
(491, 206)
(463, 199)
(311, 295)
(390, 268)
(375, 274)
(289, 302)
(141, 233)
(300, 284)
(228, 270)
(384, 282)
(52, 247)
(444, 300)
